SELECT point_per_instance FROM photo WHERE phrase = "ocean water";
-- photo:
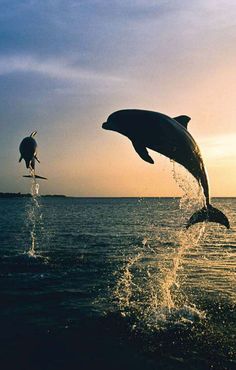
(116, 283)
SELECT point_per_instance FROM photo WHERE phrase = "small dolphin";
(168, 136)
(28, 152)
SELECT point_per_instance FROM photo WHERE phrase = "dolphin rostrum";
(168, 136)
(28, 152)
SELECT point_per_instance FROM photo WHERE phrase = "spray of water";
(152, 292)
(34, 215)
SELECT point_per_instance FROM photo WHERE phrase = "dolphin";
(28, 152)
(170, 137)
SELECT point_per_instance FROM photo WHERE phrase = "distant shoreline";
(27, 195)
(20, 195)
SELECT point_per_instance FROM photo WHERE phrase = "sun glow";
(221, 147)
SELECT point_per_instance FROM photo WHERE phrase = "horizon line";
(19, 194)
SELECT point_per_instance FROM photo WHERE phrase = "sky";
(66, 65)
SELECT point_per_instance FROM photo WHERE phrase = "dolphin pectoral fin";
(37, 158)
(183, 120)
(142, 152)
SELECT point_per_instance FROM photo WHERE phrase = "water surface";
(115, 283)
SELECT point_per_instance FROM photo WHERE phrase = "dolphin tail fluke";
(208, 214)
(36, 177)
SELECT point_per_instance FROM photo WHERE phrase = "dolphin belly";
(27, 150)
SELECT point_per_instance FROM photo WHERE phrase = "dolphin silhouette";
(168, 136)
(28, 152)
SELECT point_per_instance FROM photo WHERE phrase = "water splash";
(150, 287)
(191, 200)
(34, 215)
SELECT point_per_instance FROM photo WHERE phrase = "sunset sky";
(66, 65)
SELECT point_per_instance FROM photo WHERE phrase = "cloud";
(219, 147)
(118, 35)
(57, 69)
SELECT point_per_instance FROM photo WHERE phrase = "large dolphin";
(168, 136)
(28, 152)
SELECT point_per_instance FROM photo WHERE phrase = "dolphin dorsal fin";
(183, 120)
(33, 133)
